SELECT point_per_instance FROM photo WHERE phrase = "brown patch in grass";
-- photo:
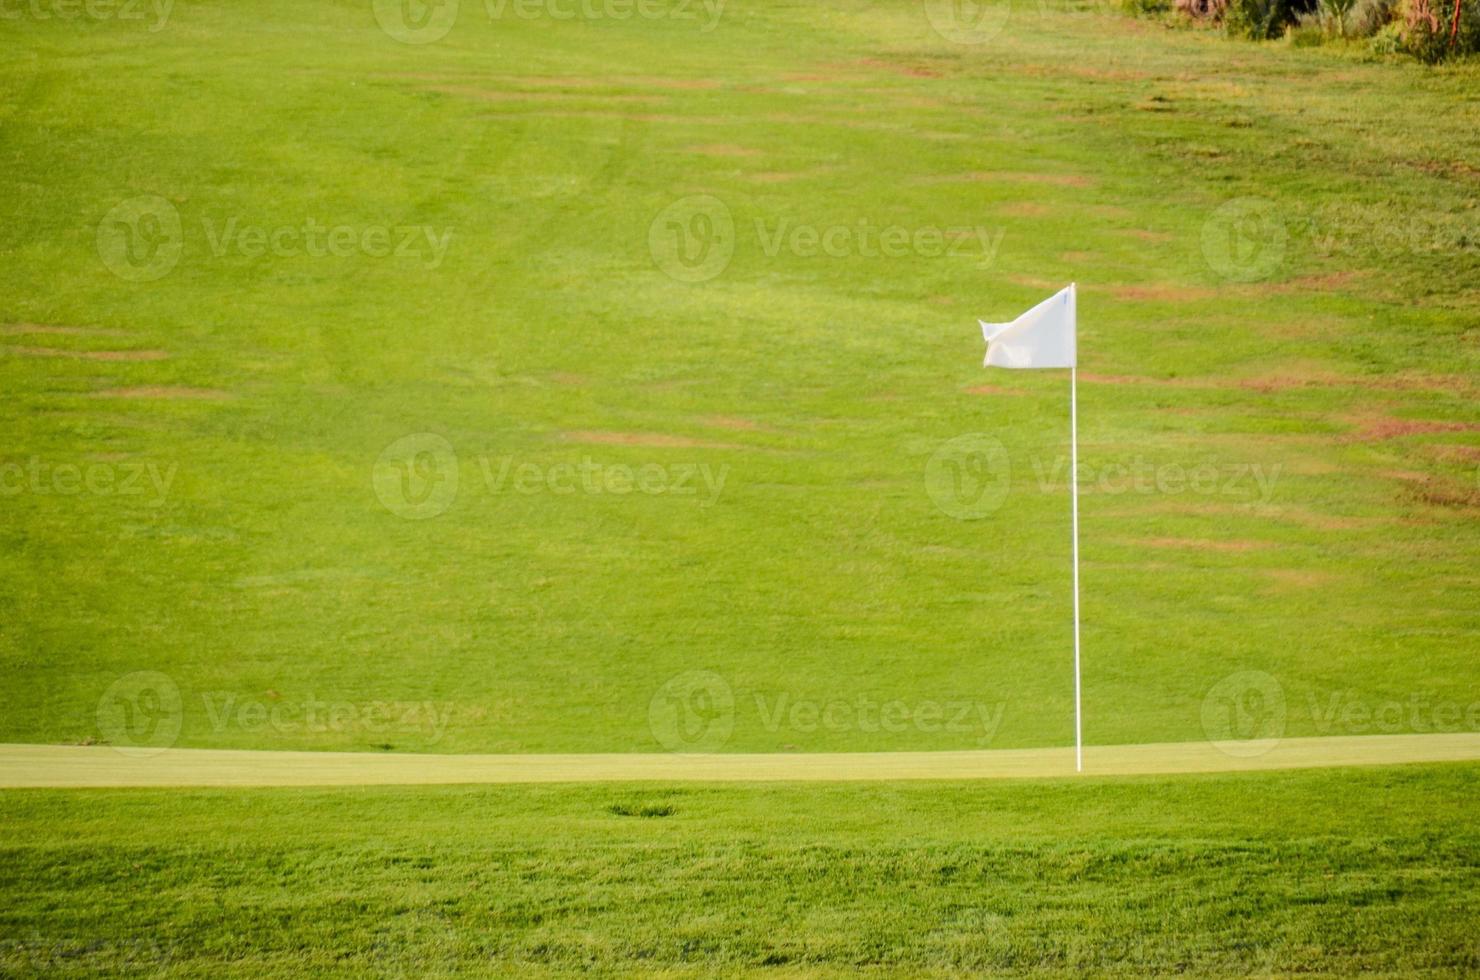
(1005, 177)
(899, 68)
(1436, 491)
(1161, 293)
(992, 390)
(1200, 544)
(1025, 209)
(657, 440)
(1073, 257)
(1315, 284)
(1376, 429)
(1451, 452)
(89, 355)
(1034, 282)
(724, 150)
(517, 82)
(15, 329)
(565, 378)
(164, 392)
(1128, 379)
(1148, 236)
(732, 422)
(1298, 578)
(497, 95)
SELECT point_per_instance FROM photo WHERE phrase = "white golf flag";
(1043, 337)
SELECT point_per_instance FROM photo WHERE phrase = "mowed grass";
(1311, 873)
(247, 397)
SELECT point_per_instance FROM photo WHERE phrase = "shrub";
(1336, 13)
(1427, 26)
(1262, 20)
(1207, 10)
(1371, 16)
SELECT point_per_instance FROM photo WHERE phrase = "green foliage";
(1146, 8)
(1371, 16)
(1336, 873)
(1337, 12)
(1263, 20)
(1428, 29)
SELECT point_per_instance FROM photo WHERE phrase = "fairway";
(513, 488)
(57, 766)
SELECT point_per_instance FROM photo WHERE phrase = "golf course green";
(604, 376)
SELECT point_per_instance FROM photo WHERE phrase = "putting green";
(101, 766)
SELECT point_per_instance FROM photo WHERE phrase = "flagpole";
(1074, 510)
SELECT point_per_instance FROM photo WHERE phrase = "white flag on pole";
(1043, 337)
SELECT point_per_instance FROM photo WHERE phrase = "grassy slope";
(824, 570)
(1319, 873)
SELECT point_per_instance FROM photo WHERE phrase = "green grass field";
(612, 384)
(1328, 407)
(1314, 873)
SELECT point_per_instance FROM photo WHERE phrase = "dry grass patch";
(164, 392)
(656, 440)
(723, 150)
(88, 355)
